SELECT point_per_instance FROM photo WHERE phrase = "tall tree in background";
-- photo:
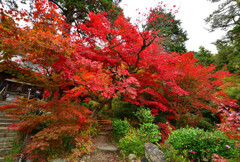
(171, 30)
(75, 11)
(204, 56)
(9, 3)
(227, 17)
(228, 55)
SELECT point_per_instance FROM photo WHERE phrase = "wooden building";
(10, 88)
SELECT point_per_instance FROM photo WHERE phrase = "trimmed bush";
(150, 132)
(120, 127)
(172, 154)
(144, 115)
(198, 144)
(132, 143)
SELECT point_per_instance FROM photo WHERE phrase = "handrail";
(2, 90)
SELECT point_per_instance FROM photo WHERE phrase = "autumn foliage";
(109, 59)
(230, 123)
(106, 59)
(49, 127)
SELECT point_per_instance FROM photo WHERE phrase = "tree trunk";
(99, 107)
(110, 104)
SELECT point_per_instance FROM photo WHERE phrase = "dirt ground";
(103, 156)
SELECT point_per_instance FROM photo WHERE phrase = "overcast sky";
(191, 13)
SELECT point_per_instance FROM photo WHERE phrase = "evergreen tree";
(204, 56)
(227, 17)
(172, 32)
(75, 11)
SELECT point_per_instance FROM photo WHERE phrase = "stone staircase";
(6, 135)
(105, 126)
(103, 141)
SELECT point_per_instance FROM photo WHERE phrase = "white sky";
(191, 13)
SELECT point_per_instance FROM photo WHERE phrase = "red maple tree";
(111, 58)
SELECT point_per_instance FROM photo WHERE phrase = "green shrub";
(172, 154)
(198, 144)
(144, 115)
(120, 127)
(150, 132)
(132, 143)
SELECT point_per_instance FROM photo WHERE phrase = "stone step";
(6, 139)
(2, 103)
(6, 120)
(7, 135)
(6, 130)
(107, 148)
(6, 145)
(104, 122)
(4, 152)
(107, 128)
(2, 113)
(5, 124)
(11, 117)
(101, 118)
(105, 133)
